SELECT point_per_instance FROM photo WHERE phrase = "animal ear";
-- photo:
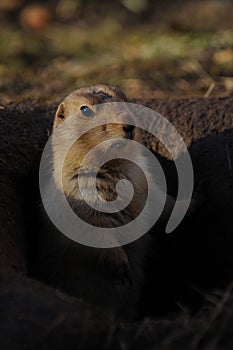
(60, 115)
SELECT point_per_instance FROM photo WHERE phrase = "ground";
(181, 48)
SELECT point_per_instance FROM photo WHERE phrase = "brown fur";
(111, 277)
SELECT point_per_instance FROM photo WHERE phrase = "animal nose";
(129, 130)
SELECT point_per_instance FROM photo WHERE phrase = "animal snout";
(129, 130)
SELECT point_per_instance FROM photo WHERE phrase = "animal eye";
(87, 111)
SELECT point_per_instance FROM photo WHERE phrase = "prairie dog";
(110, 277)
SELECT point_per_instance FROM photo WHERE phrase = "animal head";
(86, 104)
(82, 100)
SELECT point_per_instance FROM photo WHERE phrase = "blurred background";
(151, 49)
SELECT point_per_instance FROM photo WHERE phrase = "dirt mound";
(193, 263)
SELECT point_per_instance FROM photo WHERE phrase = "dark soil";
(188, 297)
